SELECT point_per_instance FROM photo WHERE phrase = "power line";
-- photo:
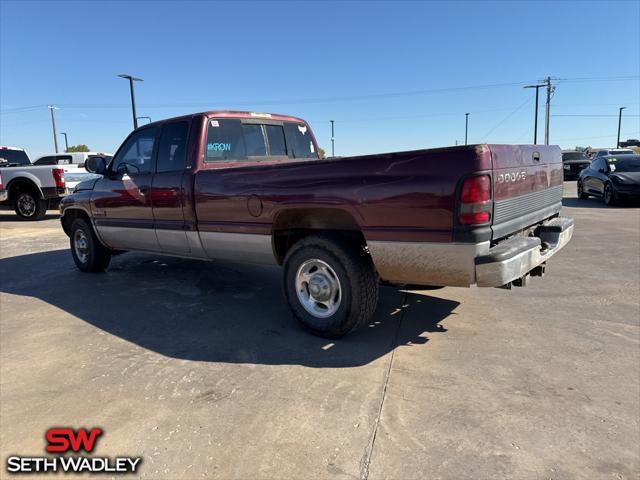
(507, 118)
(620, 78)
(589, 115)
(327, 99)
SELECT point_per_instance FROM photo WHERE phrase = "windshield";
(15, 157)
(625, 164)
(574, 156)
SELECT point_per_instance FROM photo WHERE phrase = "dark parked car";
(605, 152)
(573, 162)
(613, 178)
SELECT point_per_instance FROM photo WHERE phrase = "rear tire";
(87, 251)
(581, 194)
(330, 285)
(29, 206)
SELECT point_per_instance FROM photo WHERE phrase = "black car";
(573, 163)
(613, 178)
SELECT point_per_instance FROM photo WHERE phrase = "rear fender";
(26, 180)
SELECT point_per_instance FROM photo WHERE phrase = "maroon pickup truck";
(252, 188)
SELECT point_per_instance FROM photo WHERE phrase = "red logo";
(65, 439)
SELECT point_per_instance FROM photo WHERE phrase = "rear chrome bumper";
(515, 258)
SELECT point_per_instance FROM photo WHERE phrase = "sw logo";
(62, 440)
(65, 439)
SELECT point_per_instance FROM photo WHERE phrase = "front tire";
(88, 253)
(609, 195)
(330, 285)
(29, 206)
(581, 193)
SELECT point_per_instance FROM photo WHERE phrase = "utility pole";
(133, 98)
(333, 139)
(466, 127)
(66, 142)
(550, 89)
(619, 124)
(53, 124)
(535, 121)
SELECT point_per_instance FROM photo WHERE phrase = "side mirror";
(95, 164)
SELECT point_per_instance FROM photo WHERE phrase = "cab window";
(225, 141)
(231, 139)
(137, 153)
(275, 139)
(299, 141)
(172, 150)
(254, 140)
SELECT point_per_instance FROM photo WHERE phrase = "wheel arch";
(292, 225)
(22, 183)
(72, 214)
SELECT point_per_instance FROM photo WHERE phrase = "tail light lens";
(475, 200)
(1, 185)
(58, 176)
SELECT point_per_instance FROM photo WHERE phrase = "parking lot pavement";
(200, 369)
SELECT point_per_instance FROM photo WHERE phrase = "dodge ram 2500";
(252, 188)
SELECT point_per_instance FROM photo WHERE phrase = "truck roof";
(235, 114)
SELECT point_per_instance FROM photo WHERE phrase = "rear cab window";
(247, 140)
(14, 157)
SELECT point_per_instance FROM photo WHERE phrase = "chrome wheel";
(26, 205)
(81, 245)
(318, 288)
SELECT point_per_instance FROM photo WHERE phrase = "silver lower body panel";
(426, 263)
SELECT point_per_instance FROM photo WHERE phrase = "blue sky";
(322, 61)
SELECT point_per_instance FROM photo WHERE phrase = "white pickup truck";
(73, 165)
(28, 188)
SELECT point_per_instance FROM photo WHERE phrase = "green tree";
(321, 151)
(78, 148)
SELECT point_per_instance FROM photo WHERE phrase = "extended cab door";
(121, 202)
(168, 188)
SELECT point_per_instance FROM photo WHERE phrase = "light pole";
(133, 98)
(66, 142)
(333, 152)
(550, 90)
(619, 124)
(53, 124)
(535, 121)
(466, 127)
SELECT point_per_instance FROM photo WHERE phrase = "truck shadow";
(212, 312)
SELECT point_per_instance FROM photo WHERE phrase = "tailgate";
(527, 186)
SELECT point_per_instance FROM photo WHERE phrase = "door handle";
(144, 189)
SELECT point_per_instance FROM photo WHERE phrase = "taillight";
(1, 185)
(475, 200)
(58, 176)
